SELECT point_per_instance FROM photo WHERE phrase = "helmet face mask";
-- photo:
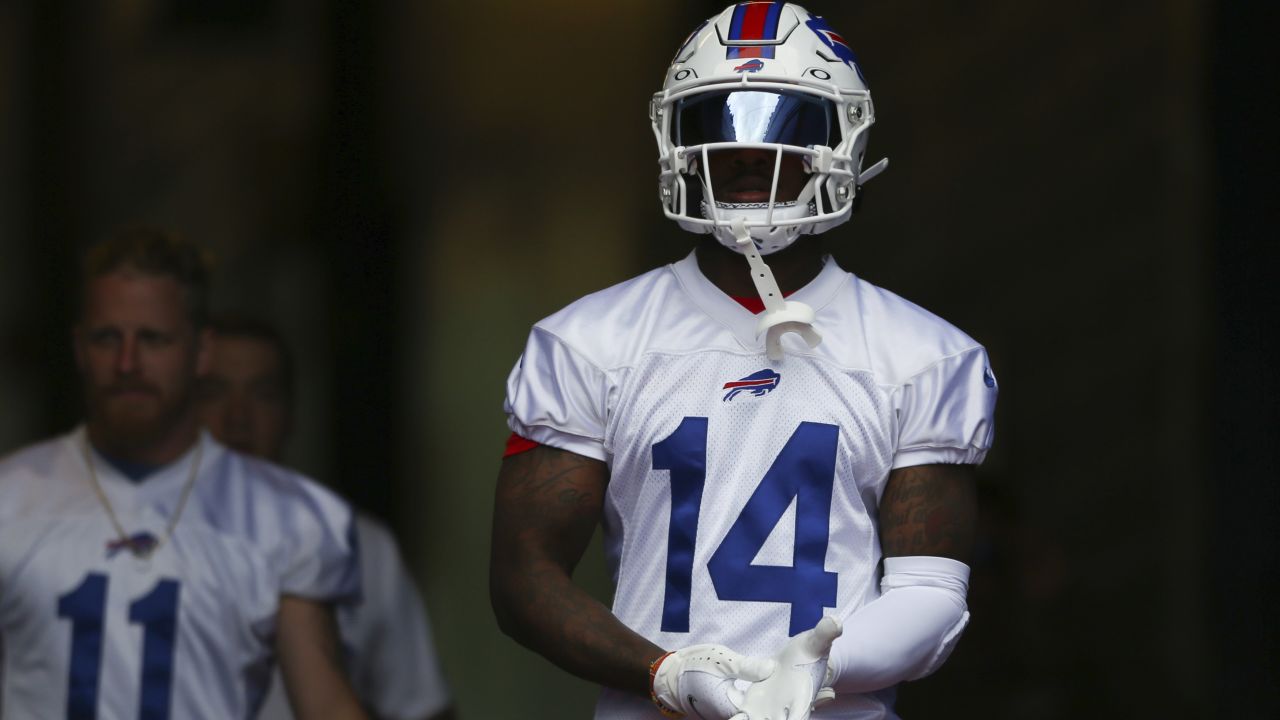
(763, 119)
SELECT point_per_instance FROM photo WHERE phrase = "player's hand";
(800, 681)
(698, 681)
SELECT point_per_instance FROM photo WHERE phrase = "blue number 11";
(156, 612)
(804, 471)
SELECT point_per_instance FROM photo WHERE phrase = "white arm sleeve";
(946, 412)
(907, 632)
(557, 397)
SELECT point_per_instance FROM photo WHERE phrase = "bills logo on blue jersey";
(837, 44)
(988, 378)
(757, 383)
(750, 66)
(140, 543)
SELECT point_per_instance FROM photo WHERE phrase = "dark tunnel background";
(405, 187)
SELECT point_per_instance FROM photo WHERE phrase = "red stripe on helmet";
(753, 21)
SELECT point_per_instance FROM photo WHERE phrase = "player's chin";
(131, 410)
(745, 196)
(133, 424)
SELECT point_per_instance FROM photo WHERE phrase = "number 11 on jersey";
(803, 472)
(157, 613)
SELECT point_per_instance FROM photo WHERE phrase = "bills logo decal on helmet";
(750, 66)
(757, 383)
(753, 21)
(832, 39)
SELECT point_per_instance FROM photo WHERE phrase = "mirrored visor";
(755, 117)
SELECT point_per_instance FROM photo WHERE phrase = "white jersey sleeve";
(556, 397)
(945, 412)
(315, 552)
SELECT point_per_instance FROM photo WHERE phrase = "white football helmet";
(762, 120)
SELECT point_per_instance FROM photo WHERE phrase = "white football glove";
(826, 693)
(698, 681)
(799, 683)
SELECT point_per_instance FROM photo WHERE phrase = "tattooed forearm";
(547, 505)
(929, 510)
(578, 633)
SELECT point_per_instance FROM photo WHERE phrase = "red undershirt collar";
(753, 304)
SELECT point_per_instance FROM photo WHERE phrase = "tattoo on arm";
(545, 474)
(929, 510)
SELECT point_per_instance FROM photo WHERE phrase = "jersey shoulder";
(247, 492)
(375, 539)
(609, 328)
(304, 529)
(25, 475)
(32, 461)
(901, 339)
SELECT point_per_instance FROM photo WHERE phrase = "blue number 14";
(804, 471)
(156, 612)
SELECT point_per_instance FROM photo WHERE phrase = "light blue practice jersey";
(88, 630)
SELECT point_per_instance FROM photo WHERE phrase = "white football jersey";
(743, 493)
(386, 638)
(90, 631)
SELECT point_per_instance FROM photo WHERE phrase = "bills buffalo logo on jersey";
(750, 66)
(837, 44)
(140, 543)
(757, 383)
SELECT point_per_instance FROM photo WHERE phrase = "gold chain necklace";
(142, 551)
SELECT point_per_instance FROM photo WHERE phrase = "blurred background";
(404, 188)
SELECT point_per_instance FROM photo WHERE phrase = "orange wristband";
(653, 696)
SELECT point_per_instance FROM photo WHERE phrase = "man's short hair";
(157, 252)
(248, 327)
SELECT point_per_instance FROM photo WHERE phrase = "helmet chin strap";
(780, 316)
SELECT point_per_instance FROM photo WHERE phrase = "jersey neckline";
(739, 320)
(126, 493)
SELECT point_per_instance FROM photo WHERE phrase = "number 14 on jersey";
(804, 472)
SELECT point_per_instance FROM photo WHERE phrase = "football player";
(781, 454)
(146, 571)
(246, 401)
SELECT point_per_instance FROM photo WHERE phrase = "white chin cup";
(768, 239)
